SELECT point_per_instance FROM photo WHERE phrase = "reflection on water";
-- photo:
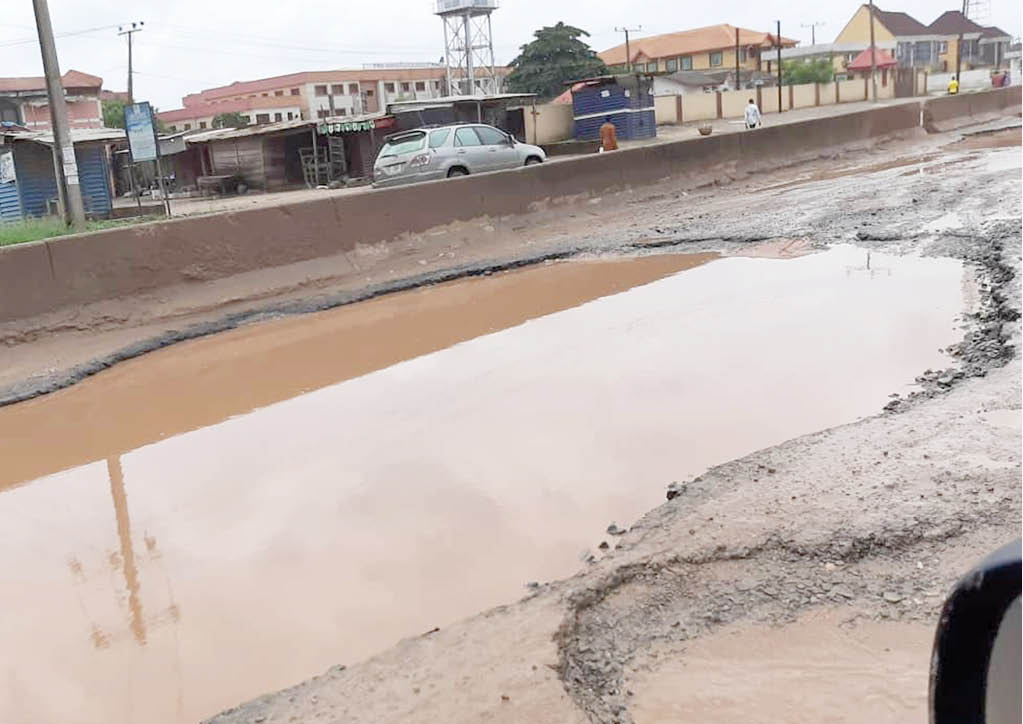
(245, 554)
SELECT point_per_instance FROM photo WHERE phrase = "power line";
(25, 41)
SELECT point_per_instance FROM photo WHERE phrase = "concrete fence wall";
(731, 104)
(804, 95)
(43, 276)
(699, 107)
(852, 90)
(665, 110)
(551, 122)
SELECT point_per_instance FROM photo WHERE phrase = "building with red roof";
(24, 101)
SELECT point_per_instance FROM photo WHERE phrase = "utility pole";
(813, 29)
(737, 84)
(873, 55)
(65, 165)
(959, 43)
(135, 28)
(628, 51)
(777, 40)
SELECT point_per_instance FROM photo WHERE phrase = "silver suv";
(425, 154)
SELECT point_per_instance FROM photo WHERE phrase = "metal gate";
(904, 82)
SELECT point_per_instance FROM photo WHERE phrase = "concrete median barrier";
(86, 268)
(948, 112)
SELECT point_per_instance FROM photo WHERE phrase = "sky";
(188, 45)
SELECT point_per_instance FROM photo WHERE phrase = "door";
(500, 153)
(469, 150)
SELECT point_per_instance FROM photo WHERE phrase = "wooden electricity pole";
(737, 84)
(873, 55)
(628, 53)
(135, 28)
(778, 41)
(65, 166)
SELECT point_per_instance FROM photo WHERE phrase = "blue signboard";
(138, 122)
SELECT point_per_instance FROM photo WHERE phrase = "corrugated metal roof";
(219, 134)
(78, 135)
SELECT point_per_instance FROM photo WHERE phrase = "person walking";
(608, 136)
(953, 86)
(752, 115)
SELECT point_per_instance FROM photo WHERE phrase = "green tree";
(230, 120)
(113, 113)
(794, 72)
(554, 57)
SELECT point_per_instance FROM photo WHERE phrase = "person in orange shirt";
(608, 136)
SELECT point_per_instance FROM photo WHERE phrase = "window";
(687, 62)
(420, 85)
(290, 115)
(389, 87)
(174, 129)
(715, 58)
(279, 93)
(247, 119)
(491, 136)
(323, 113)
(353, 89)
(405, 143)
(338, 89)
(278, 117)
(188, 126)
(369, 92)
(439, 138)
(266, 95)
(744, 54)
(262, 118)
(943, 48)
(295, 92)
(651, 67)
(671, 65)
(466, 137)
(436, 85)
(320, 90)
(406, 87)
(202, 124)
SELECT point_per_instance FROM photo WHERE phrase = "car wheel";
(533, 161)
(457, 171)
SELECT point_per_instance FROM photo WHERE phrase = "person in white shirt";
(752, 114)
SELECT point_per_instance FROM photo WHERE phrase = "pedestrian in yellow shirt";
(953, 86)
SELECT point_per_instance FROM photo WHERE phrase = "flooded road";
(231, 515)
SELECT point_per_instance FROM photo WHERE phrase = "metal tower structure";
(469, 46)
(979, 11)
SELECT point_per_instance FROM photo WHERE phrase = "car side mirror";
(975, 665)
(511, 140)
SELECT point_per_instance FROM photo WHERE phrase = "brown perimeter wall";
(43, 276)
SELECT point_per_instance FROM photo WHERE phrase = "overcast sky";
(188, 45)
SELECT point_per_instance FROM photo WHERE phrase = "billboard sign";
(141, 129)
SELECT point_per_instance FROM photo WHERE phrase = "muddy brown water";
(819, 669)
(231, 515)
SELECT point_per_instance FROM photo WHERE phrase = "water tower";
(469, 46)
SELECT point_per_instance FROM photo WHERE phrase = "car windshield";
(404, 144)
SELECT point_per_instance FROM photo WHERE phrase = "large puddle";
(231, 515)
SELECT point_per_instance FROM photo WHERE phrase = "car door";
(500, 152)
(469, 150)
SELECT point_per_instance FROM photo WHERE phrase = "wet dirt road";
(233, 514)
